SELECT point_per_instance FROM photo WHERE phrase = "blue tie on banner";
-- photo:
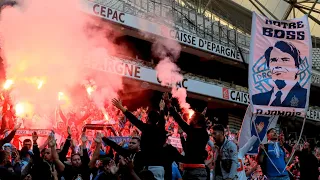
(253, 125)
(280, 66)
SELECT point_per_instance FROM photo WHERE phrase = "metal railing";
(208, 25)
(192, 76)
(188, 20)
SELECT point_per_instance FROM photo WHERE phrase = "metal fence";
(205, 25)
(170, 12)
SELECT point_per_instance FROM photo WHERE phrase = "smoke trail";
(44, 44)
(168, 51)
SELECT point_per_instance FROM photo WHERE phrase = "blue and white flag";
(253, 125)
(280, 66)
(119, 139)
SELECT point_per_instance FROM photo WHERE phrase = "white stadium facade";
(214, 36)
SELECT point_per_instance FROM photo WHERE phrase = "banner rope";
(294, 147)
(264, 148)
(293, 151)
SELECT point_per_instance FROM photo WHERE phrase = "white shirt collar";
(284, 91)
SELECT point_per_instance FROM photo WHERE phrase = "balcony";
(205, 25)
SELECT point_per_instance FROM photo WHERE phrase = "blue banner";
(253, 125)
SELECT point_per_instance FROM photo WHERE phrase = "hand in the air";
(98, 138)
(34, 136)
(204, 111)
(262, 146)
(52, 142)
(260, 126)
(73, 143)
(69, 130)
(162, 105)
(129, 163)
(54, 172)
(84, 138)
(118, 104)
(166, 99)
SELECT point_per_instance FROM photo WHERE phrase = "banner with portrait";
(253, 125)
(280, 66)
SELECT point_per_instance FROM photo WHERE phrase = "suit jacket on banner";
(280, 66)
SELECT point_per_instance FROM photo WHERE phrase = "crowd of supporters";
(164, 144)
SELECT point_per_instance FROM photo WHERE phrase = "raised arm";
(184, 126)
(10, 136)
(3, 124)
(162, 120)
(261, 154)
(133, 119)
(245, 149)
(55, 174)
(36, 152)
(74, 146)
(96, 152)
(66, 146)
(131, 169)
(123, 152)
(85, 156)
(59, 165)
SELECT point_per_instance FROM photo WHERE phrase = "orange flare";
(191, 112)
(40, 84)
(89, 90)
(60, 95)
(7, 84)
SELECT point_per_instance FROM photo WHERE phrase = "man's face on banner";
(282, 65)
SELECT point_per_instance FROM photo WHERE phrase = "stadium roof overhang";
(239, 12)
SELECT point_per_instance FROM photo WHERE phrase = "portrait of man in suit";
(283, 61)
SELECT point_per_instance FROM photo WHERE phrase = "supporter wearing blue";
(273, 164)
(175, 172)
(25, 155)
(283, 60)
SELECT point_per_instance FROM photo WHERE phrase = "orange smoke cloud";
(49, 39)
